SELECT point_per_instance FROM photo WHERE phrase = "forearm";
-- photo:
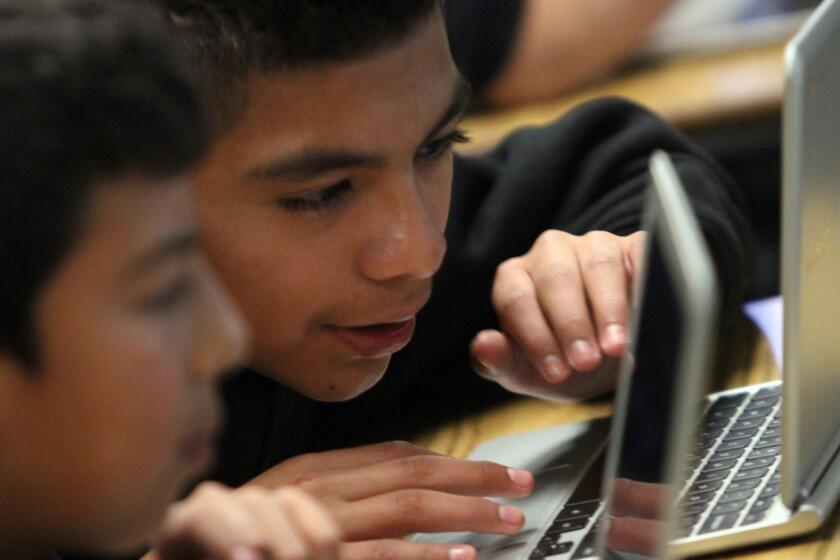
(564, 43)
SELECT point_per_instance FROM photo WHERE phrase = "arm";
(585, 178)
(563, 44)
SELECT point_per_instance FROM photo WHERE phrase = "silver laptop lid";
(663, 374)
(811, 252)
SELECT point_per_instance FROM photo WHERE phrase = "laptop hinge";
(825, 463)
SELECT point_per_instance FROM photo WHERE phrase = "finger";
(396, 549)
(210, 523)
(427, 472)
(604, 275)
(562, 299)
(401, 513)
(317, 529)
(520, 314)
(496, 356)
(634, 251)
(282, 541)
(286, 472)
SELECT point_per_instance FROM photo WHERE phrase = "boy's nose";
(407, 240)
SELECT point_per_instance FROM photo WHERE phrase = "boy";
(334, 126)
(113, 331)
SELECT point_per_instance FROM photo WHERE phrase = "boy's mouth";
(378, 340)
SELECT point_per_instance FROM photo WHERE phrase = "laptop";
(661, 385)
(752, 478)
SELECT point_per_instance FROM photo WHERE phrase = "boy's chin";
(338, 384)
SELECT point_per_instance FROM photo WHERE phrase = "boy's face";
(120, 412)
(324, 207)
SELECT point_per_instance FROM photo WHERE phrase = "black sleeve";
(587, 171)
(481, 35)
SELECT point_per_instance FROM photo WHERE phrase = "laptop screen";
(640, 500)
(663, 375)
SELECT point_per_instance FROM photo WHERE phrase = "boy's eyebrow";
(174, 246)
(312, 162)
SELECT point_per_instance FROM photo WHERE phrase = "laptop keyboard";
(734, 467)
(734, 477)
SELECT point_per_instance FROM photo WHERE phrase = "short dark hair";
(89, 90)
(229, 39)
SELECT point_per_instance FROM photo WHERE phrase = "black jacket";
(587, 171)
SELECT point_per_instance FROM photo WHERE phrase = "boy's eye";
(170, 297)
(441, 146)
(322, 199)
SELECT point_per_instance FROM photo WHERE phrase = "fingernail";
(614, 335)
(242, 553)
(461, 553)
(554, 368)
(581, 354)
(511, 516)
(521, 477)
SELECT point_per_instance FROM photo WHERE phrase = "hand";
(564, 309)
(250, 523)
(380, 493)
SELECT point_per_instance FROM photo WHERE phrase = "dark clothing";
(587, 171)
(481, 34)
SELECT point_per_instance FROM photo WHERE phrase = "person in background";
(114, 332)
(516, 51)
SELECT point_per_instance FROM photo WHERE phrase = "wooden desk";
(460, 438)
(690, 92)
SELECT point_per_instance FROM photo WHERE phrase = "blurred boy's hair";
(89, 90)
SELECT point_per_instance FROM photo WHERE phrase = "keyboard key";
(742, 433)
(542, 551)
(761, 403)
(761, 504)
(729, 400)
(568, 525)
(765, 452)
(705, 486)
(768, 442)
(727, 454)
(718, 465)
(756, 413)
(772, 432)
(759, 462)
(748, 423)
(772, 391)
(709, 435)
(583, 509)
(754, 517)
(693, 508)
(734, 444)
(736, 485)
(746, 474)
(711, 424)
(736, 495)
(719, 522)
(706, 476)
(771, 490)
(729, 507)
(700, 498)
